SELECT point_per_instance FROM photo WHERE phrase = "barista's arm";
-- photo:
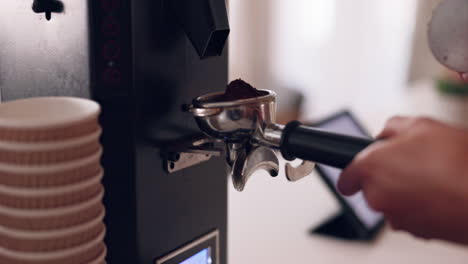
(418, 177)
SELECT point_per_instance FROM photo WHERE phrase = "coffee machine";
(141, 60)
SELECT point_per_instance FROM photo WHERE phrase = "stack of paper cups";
(51, 209)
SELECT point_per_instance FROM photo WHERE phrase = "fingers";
(398, 125)
(395, 126)
(363, 168)
(352, 178)
(464, 77)
(373, 159)
(350, 181)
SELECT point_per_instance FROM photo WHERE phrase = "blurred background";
(321, 56)
(333, 54)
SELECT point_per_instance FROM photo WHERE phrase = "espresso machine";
(141, 60)
(165, 155)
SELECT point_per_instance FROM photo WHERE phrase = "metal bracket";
(294, 174)
(199, 152)
(186, 160)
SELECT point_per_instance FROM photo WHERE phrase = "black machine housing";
(141, 60)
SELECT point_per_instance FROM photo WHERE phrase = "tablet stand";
(340, 226)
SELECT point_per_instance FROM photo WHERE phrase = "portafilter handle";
(320, 146)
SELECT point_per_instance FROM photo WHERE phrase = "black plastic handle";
(320, 146)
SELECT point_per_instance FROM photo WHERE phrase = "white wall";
(337, 52)
(249, 50)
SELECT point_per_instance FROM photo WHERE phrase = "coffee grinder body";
(141, 60)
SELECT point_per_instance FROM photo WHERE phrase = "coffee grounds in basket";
(239, 89)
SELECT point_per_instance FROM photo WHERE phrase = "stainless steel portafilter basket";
(252, 137)
(234, 121)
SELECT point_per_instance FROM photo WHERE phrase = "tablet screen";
(344, 124)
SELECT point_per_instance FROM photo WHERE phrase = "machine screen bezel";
(209, 241)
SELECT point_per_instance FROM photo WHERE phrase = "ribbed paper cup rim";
(57, 167)
(49, 146)
(46, 112)
(50, 234)
(101, 258)
(52, 255)
(25, 192)
(53, 222)
(52, 212)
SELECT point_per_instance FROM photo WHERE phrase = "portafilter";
(252, 137)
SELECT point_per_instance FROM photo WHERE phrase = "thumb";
(395, 126)
(350, 181)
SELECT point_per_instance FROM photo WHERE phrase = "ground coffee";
(239, 89)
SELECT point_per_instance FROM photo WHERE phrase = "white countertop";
(270, 220)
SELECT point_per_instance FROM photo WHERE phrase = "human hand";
(417, 177)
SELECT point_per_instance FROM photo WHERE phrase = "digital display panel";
(344, 124)
(204, 250)
(202, 257)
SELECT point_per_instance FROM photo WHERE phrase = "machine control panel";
(111, 49)
(204, 250)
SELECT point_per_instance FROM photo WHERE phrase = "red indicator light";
(111, 50)
(110, 5)
(112, 76)
(110, 27)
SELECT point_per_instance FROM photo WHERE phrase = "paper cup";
(77, 255)
(51, 197)
(51, 240)
(50, 175)
(55, 218)
(101, 259)
(47, 153)
(52, 146)
(40, 135)
(44, 158)
(47, 119)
